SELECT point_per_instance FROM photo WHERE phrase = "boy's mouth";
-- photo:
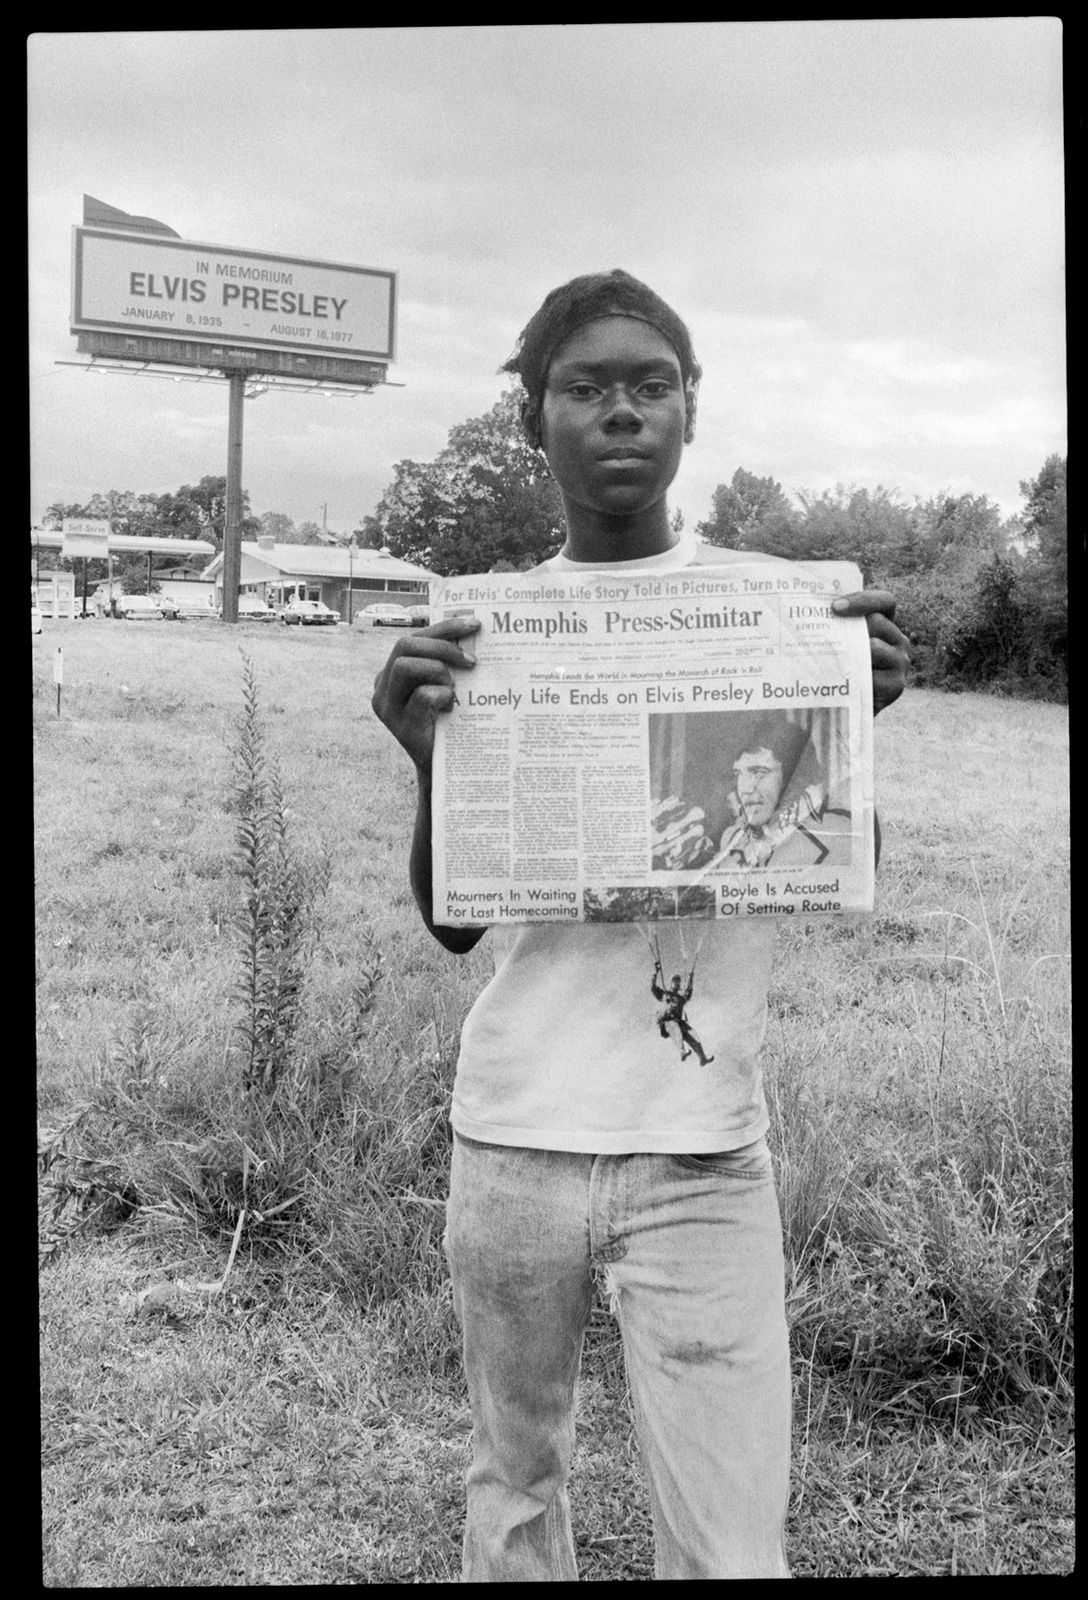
(625, 453)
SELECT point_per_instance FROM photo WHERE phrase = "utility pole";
(232, 521)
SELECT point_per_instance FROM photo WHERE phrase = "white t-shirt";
(568, 1047)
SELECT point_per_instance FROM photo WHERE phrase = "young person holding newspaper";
(582, 1143)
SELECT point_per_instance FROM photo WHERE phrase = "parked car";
(35, 616)
(420, 615)
(309, 613)
(134, 606)
(193, 605)
(252, 608)
(387, 615)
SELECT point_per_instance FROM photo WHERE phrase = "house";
(344, 578)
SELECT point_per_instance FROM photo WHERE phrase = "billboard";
(153, 285)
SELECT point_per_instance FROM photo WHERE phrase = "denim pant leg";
(518, 1252)
(699, 1293)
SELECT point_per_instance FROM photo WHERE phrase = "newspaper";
(637, 746)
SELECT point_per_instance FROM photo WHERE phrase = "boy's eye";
(652, 388)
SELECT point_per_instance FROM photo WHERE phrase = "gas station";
(87, 539)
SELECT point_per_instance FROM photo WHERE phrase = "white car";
(135, 606)
(387, 616)
(35, 616)
(252, 608)
(309, 613)
(192, 605)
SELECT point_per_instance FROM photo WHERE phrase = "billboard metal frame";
(147, 349)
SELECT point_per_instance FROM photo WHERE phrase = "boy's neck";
(595, 538)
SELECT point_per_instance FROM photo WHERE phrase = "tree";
(1046, 523)
(369, 535)
(278, 527)
(178, 518)
(741, 508)
(204, 505)
(953, 532)
(1043, 587)
(989, 646)
(54, 515)
(486, 498)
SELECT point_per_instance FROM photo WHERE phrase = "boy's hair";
(582, 300)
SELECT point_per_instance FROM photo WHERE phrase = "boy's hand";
(889, 647)
(416, 684)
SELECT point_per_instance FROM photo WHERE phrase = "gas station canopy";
(119, 543)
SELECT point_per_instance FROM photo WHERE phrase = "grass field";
(305, 1421)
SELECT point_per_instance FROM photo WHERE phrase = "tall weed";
(277, 918)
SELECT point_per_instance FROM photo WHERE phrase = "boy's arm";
(412, 689)
(456, 940)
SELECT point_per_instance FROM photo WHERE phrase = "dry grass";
(308, 1423)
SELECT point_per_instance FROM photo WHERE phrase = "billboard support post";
(232, 522)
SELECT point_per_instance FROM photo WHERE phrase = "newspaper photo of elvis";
(734, 790)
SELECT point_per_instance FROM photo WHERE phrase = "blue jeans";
(692, 1252)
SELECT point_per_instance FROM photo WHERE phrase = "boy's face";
(613, 416)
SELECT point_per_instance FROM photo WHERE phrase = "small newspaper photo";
(638, 746)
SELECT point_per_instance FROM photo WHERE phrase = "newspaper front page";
(630, 747)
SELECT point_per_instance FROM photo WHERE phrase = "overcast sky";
(861, 223)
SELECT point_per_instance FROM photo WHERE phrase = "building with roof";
(345, 578)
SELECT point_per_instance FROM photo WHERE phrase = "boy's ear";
(530, 422)
(691, 398)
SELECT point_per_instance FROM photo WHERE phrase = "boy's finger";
(881, 627)
(864, 603)
(451, 628)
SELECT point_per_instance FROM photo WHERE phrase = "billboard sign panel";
(147, 284)
(85, 536)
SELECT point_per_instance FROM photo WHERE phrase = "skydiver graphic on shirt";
(674, 1000)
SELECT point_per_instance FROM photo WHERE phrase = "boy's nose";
(621, 413)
